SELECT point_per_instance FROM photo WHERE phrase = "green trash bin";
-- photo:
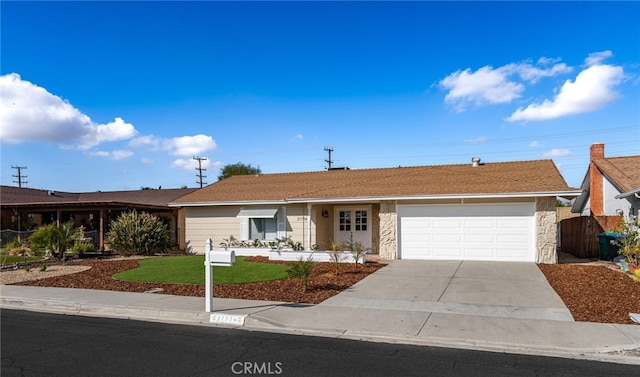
(608, 250)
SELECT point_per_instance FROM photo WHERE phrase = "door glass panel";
(345, 221)
(361, 220)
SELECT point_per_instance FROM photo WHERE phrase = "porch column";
(101, 230)
(309, 206)
(58, 217)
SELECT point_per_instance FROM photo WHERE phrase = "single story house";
(611, 186)
(23, 209)
(504, 211)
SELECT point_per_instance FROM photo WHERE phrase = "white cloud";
(486, 85)
(190, 145)
(493, 86)
(596, 58)
(554, 153)
(191, 164)
(177, 146)
(299, 137)
(592, 89)
(113, 155)
(30, 113)
(534, 144)
(546, 61)
(146, 160)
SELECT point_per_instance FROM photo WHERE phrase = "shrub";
(43, 267)
(83, 247)
(302, 270)
(629, 240)
(138, 233)
(53, 238)
(335, 253)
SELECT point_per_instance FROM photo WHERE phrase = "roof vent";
(475, 161)
(51, 192)
(340, 168)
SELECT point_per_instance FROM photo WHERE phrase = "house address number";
(227, 319)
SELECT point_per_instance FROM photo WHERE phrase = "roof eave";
(563, 193)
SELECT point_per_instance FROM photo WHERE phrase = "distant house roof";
(623, 172)
(532, 177)
(28, 197)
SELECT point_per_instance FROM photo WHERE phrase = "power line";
(200, 169)
(19, 175)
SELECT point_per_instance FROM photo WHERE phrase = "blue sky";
(122, 95)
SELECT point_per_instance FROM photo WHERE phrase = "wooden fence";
(579, 235)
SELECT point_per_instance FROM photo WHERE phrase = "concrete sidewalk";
(508, 308)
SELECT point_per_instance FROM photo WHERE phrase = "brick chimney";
(596, 152)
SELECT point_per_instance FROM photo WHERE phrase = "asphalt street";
(38, 344)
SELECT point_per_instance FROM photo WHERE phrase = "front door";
(353, 222)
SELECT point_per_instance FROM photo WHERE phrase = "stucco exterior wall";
(546, 230)
(388, 228)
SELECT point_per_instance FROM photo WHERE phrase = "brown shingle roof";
(492, 178)
(25, 196)
(623, 172)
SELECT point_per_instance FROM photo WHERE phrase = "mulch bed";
(323, 282)
(595, 293)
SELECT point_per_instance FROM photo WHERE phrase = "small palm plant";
(302, 270)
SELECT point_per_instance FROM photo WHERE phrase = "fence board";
(579, 235)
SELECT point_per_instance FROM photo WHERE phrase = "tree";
(138, 233)
(237, 169)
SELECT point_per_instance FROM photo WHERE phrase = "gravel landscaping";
(593, 291)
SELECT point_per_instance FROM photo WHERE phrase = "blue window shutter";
(244, 228)
(282, 222)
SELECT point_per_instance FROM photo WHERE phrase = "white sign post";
(218, 258)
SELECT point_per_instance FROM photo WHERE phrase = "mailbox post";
(217, 258)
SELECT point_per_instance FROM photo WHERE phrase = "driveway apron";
(490, 289)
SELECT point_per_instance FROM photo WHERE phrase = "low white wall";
(291, 255)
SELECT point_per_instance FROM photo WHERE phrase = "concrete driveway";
(491, 289)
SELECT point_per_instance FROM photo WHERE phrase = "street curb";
(254, 322)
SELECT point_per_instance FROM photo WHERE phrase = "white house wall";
(221, 222)
(611, 204)
(216, 223)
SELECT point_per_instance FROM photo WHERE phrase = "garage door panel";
(479, 238)
(447, 251)
(479, 224)
(473, 231)
(478, 252)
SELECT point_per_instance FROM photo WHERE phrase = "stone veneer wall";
(546, 230)
(388, 227)
(375, 225)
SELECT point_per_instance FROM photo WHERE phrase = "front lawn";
(190, 270)
(11, 259)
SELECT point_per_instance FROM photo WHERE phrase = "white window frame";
(281, 225)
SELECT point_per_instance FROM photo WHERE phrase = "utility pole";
(200, 169)
(19, 176)
(329, 161)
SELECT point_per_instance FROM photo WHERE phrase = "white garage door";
(495, 232)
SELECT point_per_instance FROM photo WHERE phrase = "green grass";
(190, 270)
(11, 259)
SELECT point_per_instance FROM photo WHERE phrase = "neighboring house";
(25, 208)
(495, 211)
(611, 186)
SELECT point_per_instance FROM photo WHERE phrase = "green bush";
(53, 238)
(135, 233)
(83, 247)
